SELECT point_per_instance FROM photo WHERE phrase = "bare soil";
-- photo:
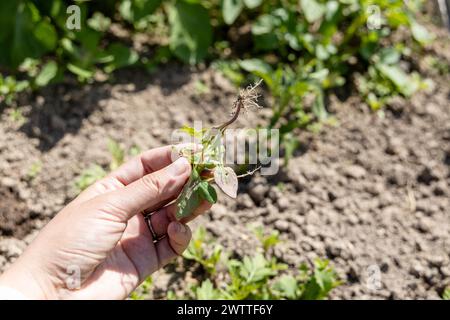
(371, 193)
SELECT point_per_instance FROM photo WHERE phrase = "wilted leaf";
(226, 179)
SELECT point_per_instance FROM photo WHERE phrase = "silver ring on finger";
(148, 222)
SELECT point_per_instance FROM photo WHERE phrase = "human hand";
(99, 246)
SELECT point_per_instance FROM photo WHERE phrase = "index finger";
(147, 162)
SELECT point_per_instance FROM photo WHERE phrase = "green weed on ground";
(254, 277)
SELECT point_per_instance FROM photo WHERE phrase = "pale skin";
(102, 236)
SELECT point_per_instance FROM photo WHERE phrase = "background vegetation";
(303, 49)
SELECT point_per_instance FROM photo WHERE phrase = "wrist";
(29, 281)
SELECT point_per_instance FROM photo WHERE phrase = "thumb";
(150, 191)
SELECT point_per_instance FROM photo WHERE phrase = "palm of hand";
(99, 246)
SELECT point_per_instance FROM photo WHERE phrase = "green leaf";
(135, 10)
(47, 73)
(207, 192)
(389, 56)
(117, 154)
(191, 31)
(286, 286)
(321, 283)
(122, 56)
(446, 294)
(256, 66)
(24, 33)
(312, 10)
(45, 37)
(399, 78)
(256, 269)
(206, 291)
(231, 10)
(266, 42)
(290, 144)
(194, 192)
(420, 33)
(263, 32)
(193, 132)
(83, 74)
(259, 68)
(89, 176)
(264, 24)
(99, 22)
(319, 106)
(251, 4)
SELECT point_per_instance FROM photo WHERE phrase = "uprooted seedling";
(208, 159)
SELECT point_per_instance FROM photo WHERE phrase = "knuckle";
(153, 184)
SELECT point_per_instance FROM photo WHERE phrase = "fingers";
(143, 164)
(177, 240)
(161, 219)
(179, 236)
(149, 191)
(148, 162)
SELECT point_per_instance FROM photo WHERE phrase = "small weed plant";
(254, 277)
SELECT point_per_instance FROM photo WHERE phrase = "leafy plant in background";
(267, 240)
(144, 289)
(16, 116)
(196, 252)
(303, 49)
(384, 78)
(254, 277)
(446, 294)
(117, 154)
(89, 176)
(322, 51)
(34, 170)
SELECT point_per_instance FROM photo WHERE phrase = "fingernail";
(180, 228)
(178, 167)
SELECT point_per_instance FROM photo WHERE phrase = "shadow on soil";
(60, 109)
